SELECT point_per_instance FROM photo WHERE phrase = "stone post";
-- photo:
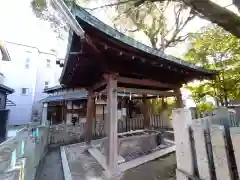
(200, 142)
(220, 152)
(235, 136)
(181, 121)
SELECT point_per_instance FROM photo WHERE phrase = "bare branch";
(179, 26)
(109, 5)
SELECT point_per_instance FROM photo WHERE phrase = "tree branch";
(110, 5)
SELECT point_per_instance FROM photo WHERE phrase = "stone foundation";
(134, 144)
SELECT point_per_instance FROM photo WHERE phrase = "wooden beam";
(91, 43)
(111, 75)
(150, 92)
(145, 82)
(98, 85)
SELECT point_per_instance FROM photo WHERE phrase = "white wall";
(44, 73)
(18, 77)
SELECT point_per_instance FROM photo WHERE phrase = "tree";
(44, 9)
(214, 48)
(204, 107)
(151, 18)
(212, 12)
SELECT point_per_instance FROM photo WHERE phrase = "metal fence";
(20, 155)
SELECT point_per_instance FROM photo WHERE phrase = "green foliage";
(216, 49)
(204, 107)
(157, 105)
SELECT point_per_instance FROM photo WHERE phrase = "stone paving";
(51, 167)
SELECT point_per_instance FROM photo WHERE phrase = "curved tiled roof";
(86, 17)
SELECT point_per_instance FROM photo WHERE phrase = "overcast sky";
(19, 24)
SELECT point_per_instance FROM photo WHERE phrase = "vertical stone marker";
(220, 156)
(235, 136)
(181, 122)
(201, 152)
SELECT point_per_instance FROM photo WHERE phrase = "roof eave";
(6, 89)
(5, 54)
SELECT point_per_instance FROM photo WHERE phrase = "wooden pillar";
(89, 118)
(179, 100)
(112, 145)
(44, 114)
(146, 113)
(94, 116)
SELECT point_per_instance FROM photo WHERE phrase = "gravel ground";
(160, 169)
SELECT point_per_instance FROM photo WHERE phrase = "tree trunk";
(237, 4)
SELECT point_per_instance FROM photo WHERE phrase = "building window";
(46, 83)
(27, 63)
(24, 91)
(48, 63)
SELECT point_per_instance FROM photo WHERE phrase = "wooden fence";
(207, 148)
(67, 133)
(136, 123)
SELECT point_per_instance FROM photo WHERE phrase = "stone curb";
(65, 165)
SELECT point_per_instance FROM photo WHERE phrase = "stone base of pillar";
(108, 175)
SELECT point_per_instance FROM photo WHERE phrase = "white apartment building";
(28, 73)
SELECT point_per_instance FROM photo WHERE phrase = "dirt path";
(51, 168)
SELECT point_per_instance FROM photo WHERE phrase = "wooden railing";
(129, 124)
